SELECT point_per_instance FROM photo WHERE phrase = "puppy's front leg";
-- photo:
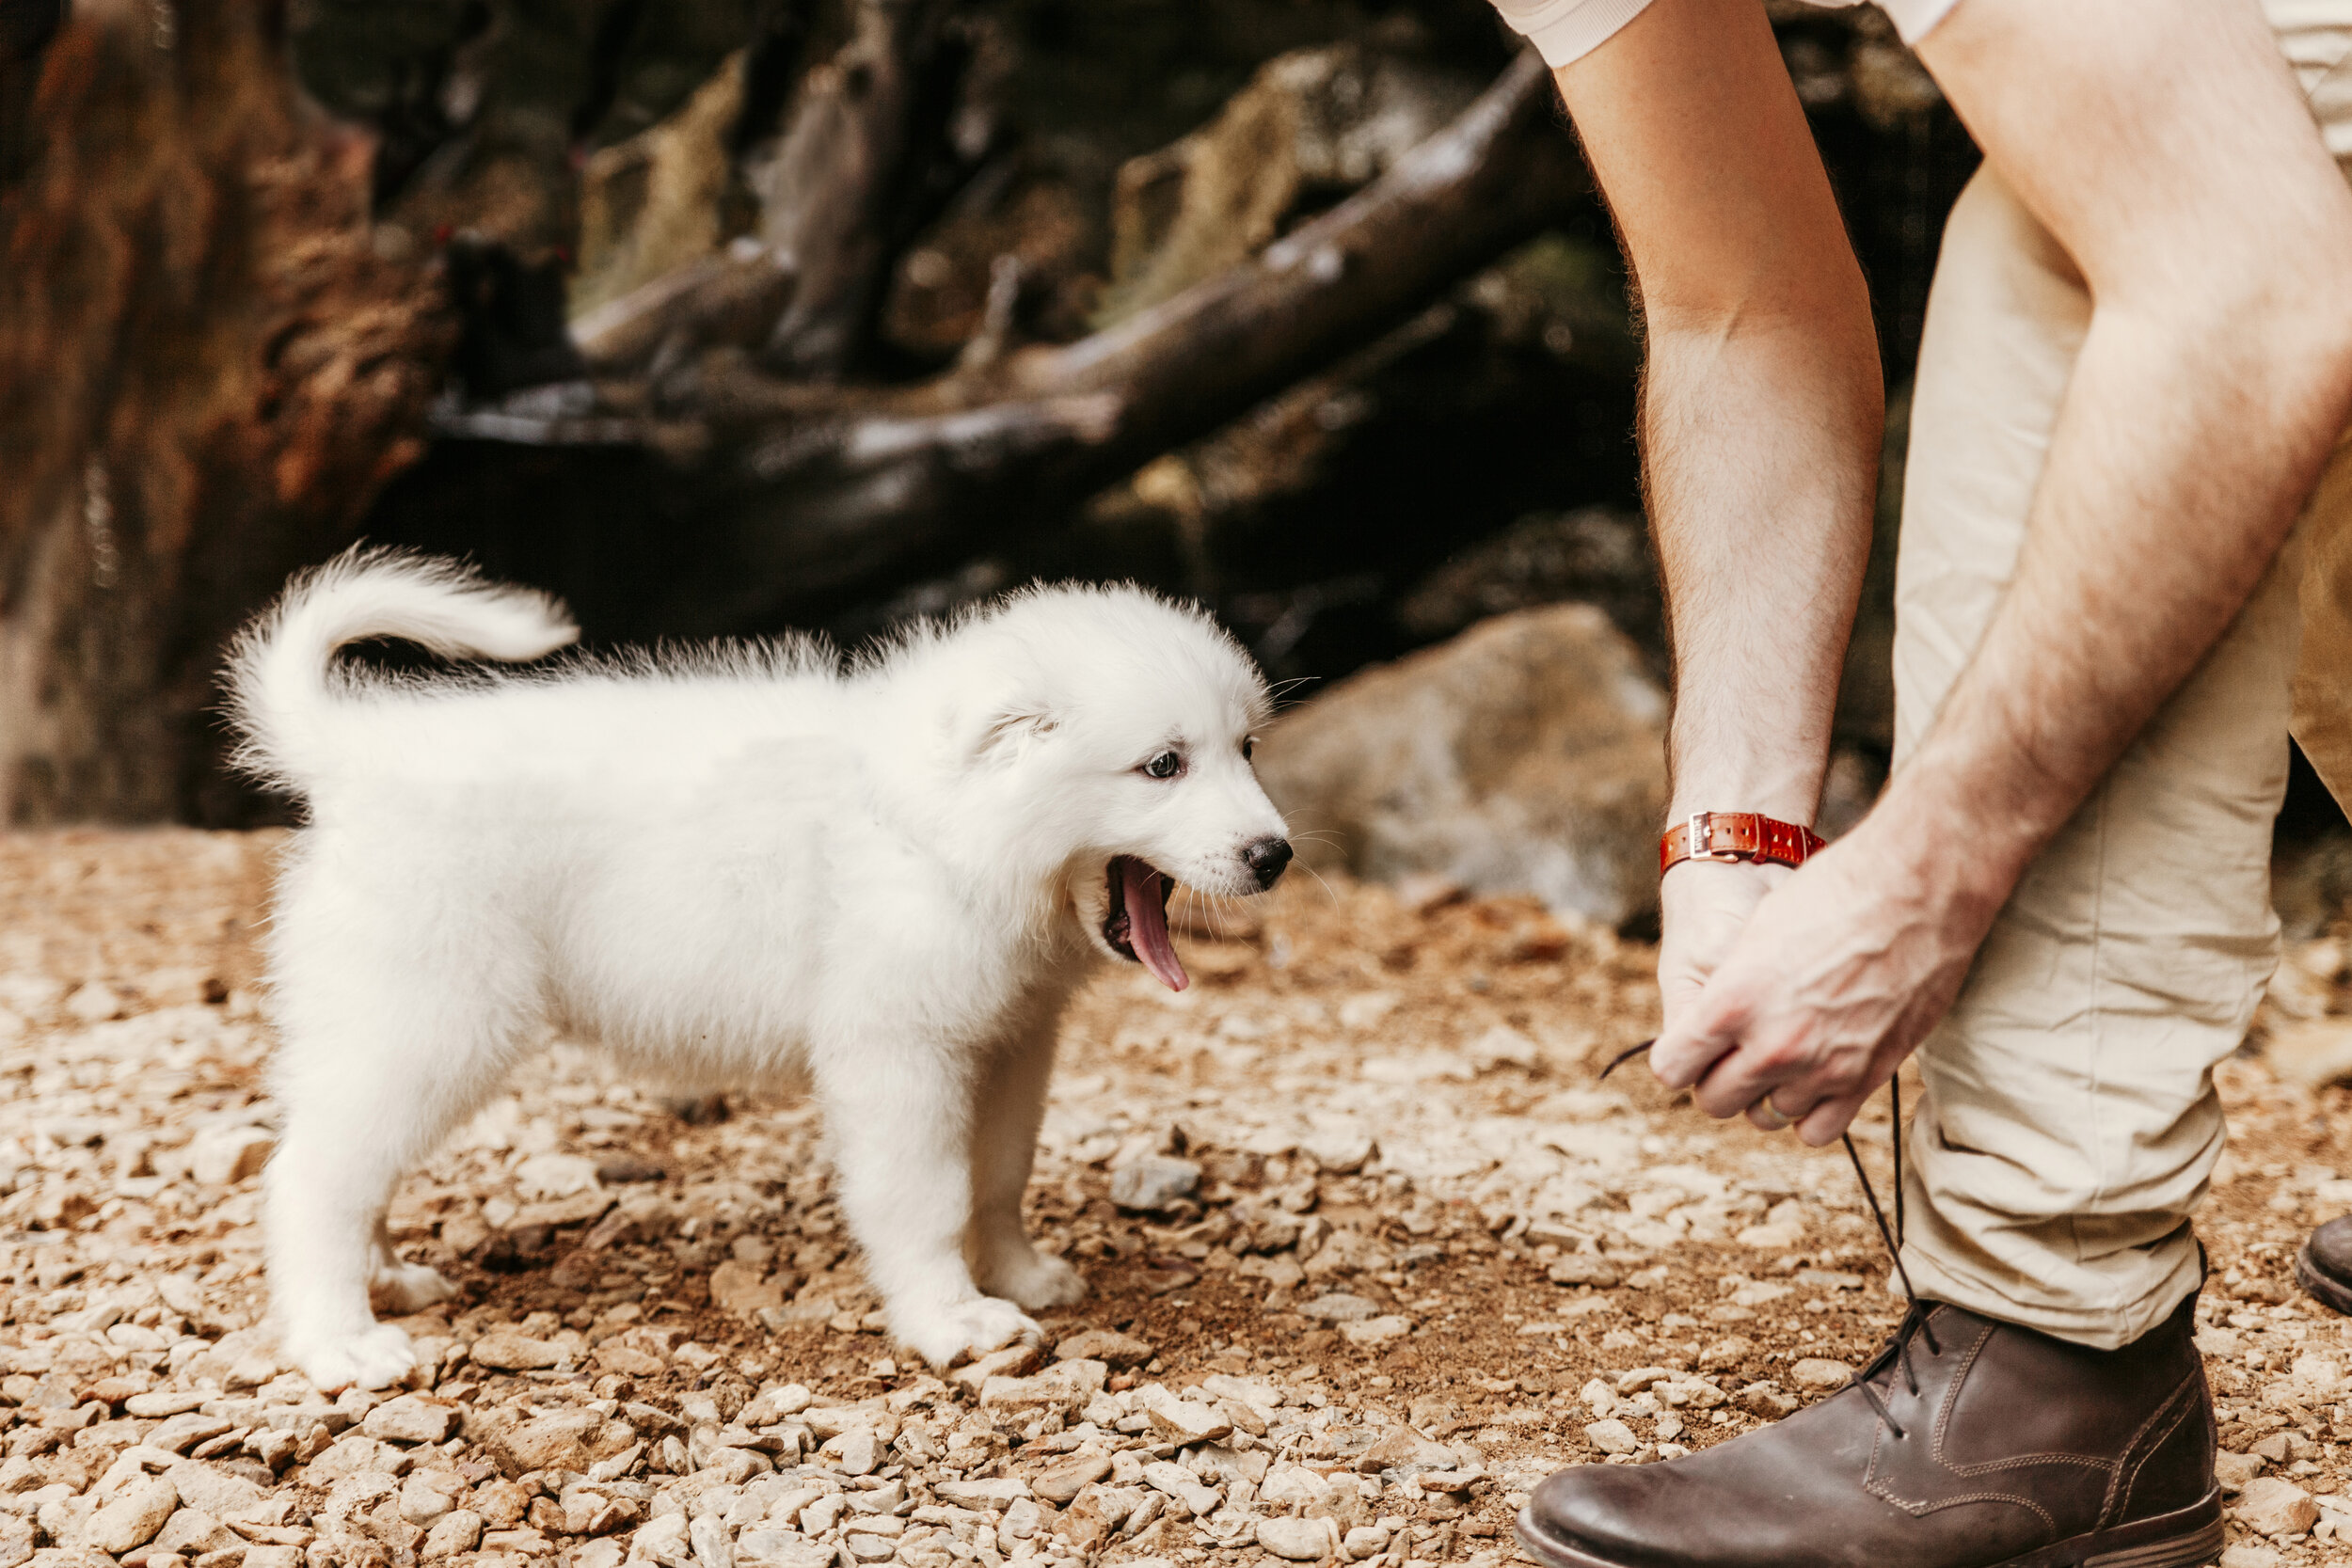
(1010, 1105)
(898, 1116)
(358, 1110)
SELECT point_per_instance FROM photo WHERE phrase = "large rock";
(1527, 756)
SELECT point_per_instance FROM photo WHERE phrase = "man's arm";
(2165, 146)
(1761, 410)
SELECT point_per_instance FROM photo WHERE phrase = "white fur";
(731, 868)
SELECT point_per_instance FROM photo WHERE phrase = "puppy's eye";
(1166, 765)
(1248, 747)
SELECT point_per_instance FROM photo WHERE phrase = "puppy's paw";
(1034, 1281)
(406, 1288)
(376, 1357)
(981, 1325)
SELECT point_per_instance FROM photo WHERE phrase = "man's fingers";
(1705, 1030)
(1827, 1122)
(1690, 1047)
(1767, 1115)
(1745, 1077)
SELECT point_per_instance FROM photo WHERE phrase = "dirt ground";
(1404, 1256)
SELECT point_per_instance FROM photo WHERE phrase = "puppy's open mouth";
(1136, 924)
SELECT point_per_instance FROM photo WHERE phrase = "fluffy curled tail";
(281, 679)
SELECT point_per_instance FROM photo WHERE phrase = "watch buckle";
(1699, 839)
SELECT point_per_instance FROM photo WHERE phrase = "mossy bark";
(207, 370)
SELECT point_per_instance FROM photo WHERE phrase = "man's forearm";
(1761, 400)
(1760, 442)
(2215, 376)
(2156, 516)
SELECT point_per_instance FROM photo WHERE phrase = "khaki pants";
(2070, 1123)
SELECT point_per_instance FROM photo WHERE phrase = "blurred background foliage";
(729, 316)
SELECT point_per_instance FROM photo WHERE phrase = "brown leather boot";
(1968, 1443)
(2323, 1267)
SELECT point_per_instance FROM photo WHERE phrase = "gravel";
(1371, 1254)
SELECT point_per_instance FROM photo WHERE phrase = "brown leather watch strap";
(1736, 835)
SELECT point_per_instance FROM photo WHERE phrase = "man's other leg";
(2070, 1121)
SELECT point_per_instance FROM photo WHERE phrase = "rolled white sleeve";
(1565, 30)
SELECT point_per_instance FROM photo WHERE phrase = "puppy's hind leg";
(899, 1120)
(371, 1072)
(1007, 1110)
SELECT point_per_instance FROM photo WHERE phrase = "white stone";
(1299, 1539)
(132, 1517)
(1182, 1421)
(713, 1547)
(1819, 1373)
(95, 1003)
(1340, 1307)
(768, 1547)
(552, 1176)
(1288, 1485)
(1612, 1437)
(663, 1541)
(988, 1496)
(428, 1496)
(1154, 1182)
(2235, 1469)
(1378, 1331)
(411, 1418)
(1183, 1486)
(1342, 1150)
(222, 1156)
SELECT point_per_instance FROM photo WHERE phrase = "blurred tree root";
(206, 373)
(814, 488)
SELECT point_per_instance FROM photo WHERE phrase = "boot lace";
(1915, 1324)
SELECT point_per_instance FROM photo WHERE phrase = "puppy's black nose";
(1267, 858)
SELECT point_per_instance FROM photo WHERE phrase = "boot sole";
(2190, 1538)
(2319, 1287)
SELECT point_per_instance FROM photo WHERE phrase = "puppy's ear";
(1011, 728)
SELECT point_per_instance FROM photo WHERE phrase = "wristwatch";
(1736, 835)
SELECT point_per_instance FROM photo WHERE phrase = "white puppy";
(730, 867)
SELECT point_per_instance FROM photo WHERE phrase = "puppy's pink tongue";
(1145, 893)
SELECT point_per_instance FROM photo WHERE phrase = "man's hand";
(1703, 907)
(1837, 975)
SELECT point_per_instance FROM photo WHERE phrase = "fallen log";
(813, 496)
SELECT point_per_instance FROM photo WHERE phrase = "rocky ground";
(1371, 1252)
